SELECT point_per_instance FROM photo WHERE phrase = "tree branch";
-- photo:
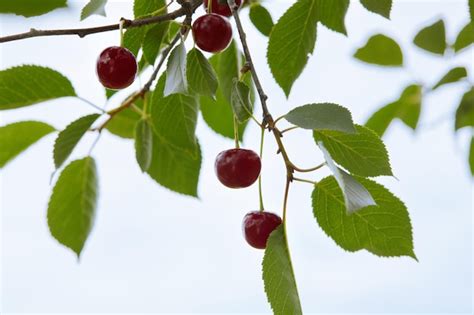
(186, 6)
(267, 117)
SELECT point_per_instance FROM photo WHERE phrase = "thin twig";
(289, 129)
(304, 180)
(248, 57)
(82, 32)
(307, 170)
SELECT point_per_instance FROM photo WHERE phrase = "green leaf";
(175, 117)
(453, 75)
(227, 65)
(381, 50)
(173, 168)
(143, 8)
(201, 76)
(291, 41)
(409, 105)
(123, 124)
(384, 230)
(323, 116)
(174, 28)
(152, 41)
(362, 153)
(261, 18)
(465, 38)
(93, 7)
(27, 85)
(407, 108)
(382, 118)
(133, 39)
(72, 206)
(471, 9)
(176, 81)
(142, 64)
(381, 7)
(109, 93)
(218, 113)
(29, 8)
(70, 137)
(278, 276)
(465, 111)
(17, 137)
(332, 14)
(471, 156)
(355, 195)
(241, 102)
(432, 38)
(144, 144)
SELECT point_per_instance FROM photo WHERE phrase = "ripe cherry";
(238, 168)
(212, 32)
(116, 68)
(220, 8)
(257, 227)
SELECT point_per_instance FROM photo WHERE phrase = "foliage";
(354, 211)
(408, 107)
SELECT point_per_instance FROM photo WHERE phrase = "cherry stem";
(236, 133)
(260, 192)
(122, 21)
(209, 6)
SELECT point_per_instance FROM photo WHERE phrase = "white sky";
(154, 251)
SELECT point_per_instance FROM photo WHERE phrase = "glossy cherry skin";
(212, 32)
(238, 168)
(221, 9)
(116, 68)
(257, 227)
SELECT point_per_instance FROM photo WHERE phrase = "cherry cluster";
(235, 168)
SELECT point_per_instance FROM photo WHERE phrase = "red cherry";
(212, 32)
(257, 227)
(220, 8)
(238, 168)
(116, 67)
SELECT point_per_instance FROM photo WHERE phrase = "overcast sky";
(152, 250)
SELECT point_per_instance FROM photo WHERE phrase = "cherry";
(220, 8)
(116, 67)
(238, 168)
(212, 32)
(257, 227)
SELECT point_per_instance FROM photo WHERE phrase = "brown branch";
(267, 117)
(186, 6)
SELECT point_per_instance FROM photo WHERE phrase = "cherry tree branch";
(187, 7)
(267, 117)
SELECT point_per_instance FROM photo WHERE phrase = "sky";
(155, 251)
